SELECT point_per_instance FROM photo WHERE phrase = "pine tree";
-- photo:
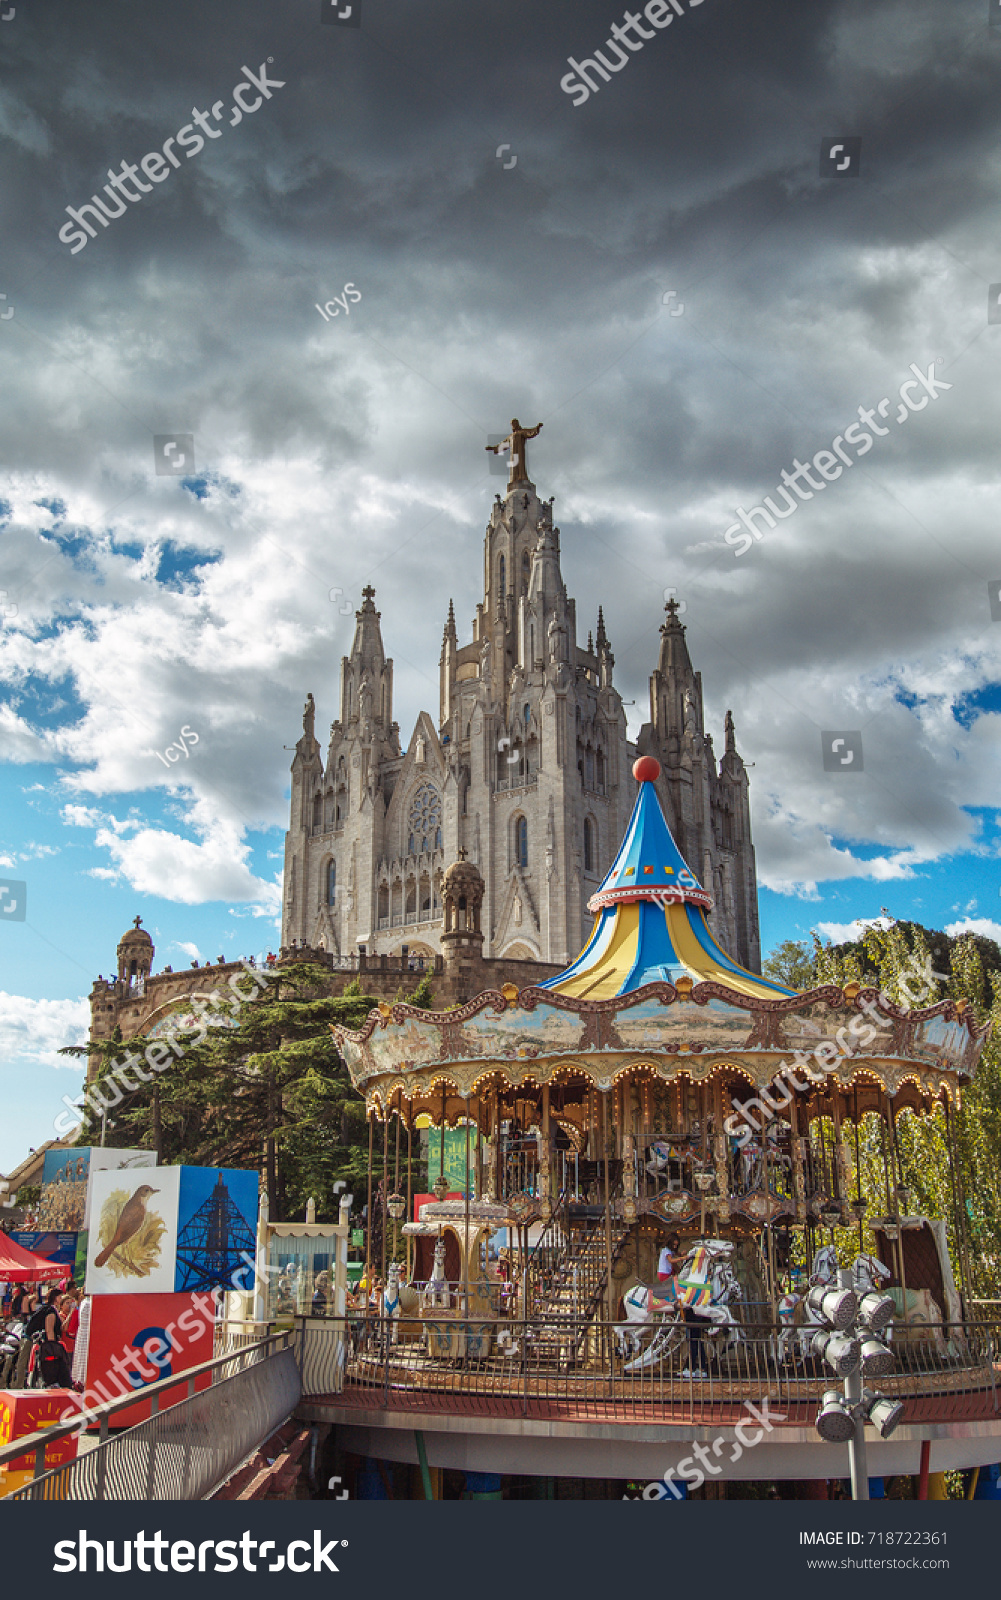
(265, 1088)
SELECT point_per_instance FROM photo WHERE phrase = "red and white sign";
(137, 1339)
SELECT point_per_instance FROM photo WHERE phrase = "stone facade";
(527, 770)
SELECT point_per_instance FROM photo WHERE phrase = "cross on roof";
(368, 593)
(672, 608)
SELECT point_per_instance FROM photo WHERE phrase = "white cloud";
(158, 862)
(850, 932)
(190, 950)
(982, 925)
(34, 1030)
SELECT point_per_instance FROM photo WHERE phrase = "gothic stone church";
(527, 770)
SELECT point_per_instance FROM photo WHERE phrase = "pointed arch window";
(524, 571)
(332, 883)
(424, 820)
(590, 852)
(503, 576)
(521, 842)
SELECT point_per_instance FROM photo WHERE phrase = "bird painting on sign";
(133, 1235)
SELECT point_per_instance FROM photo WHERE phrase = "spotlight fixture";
(396, 1205)
(841, 1351)
(877, 1358)
(836, 1306)
(850, 1341)
(835, 1423)
(884, 1414)
(876, 1311)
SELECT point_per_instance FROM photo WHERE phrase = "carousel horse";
(706, 1285)
(391, 1300)
(658, 1156)
(436, 1293)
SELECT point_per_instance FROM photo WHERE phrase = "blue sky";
(664, 276)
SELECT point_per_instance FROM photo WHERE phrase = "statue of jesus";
(515, 444)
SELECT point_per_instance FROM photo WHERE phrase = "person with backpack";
(50, 1368)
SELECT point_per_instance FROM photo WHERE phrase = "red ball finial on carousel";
(646, 769)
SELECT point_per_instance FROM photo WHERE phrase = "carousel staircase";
(567, 1294)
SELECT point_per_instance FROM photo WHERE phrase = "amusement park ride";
(664, 1137)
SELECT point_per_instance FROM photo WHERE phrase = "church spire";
(674, 657)
(366, 675)
(602, 637)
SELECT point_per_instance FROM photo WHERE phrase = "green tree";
(264, 1088)
(792, 962)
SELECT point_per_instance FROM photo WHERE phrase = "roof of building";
(651, 922)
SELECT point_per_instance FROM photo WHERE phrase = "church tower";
(534, 734)
(527, 771)
(706, 804)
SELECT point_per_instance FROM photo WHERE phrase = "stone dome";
(462, 878)
(135, 953)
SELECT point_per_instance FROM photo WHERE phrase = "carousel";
(661, 1158)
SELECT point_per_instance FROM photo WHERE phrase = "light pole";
(850, 1344)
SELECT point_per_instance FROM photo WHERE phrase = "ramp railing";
(184, 1452)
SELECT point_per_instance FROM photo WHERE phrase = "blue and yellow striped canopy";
(651, 918)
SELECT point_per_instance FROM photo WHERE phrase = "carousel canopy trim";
(542, 1033)
(651, 917)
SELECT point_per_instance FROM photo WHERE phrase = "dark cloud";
(334, 453)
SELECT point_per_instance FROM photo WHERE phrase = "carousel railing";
(560, 1366)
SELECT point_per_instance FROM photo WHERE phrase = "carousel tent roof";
(651, 917)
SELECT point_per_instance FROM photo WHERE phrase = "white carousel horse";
(869, 1273)
(658, 1156)
(436, 1289)
(706, 1282)
(391, 1300)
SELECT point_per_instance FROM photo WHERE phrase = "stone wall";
(383, 977)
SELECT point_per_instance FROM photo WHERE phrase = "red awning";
(18, 1265)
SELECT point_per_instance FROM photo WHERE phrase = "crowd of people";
(40, 1324)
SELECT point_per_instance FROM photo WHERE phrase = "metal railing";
(541, 1368)
(182, 1453)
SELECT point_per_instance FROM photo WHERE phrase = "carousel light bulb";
(877, 1358)
(876, 1311)
(835, 1423)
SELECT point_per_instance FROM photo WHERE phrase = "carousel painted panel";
(948, 1043)
(417, 1043)
(544, 1031)
(653, 1026)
